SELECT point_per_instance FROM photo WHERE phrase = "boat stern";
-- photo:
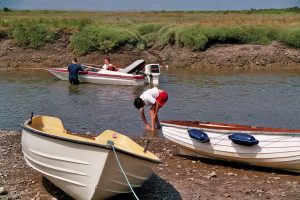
(152, 73)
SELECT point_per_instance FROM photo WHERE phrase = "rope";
(111, 143)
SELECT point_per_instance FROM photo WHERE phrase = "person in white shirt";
(107, 65)
(155, 98)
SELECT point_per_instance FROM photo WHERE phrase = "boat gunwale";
(230, 127)
(41, 133)
(130, 76)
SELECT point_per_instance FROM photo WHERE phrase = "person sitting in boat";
(74, 68)
(108, 66)
(155, 98)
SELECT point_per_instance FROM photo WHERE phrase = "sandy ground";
(177, 178)
(220, 56)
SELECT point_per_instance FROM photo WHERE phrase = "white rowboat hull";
(275, 150)
(84, 172)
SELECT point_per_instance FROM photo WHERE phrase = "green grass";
(32, 36)
(192, 37)
(109, 31)
(290, 36)
(104, 39)
(165, 36)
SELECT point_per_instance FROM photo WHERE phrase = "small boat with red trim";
(260, 146)
(135, 74)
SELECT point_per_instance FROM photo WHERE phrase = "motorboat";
(135, 74)
(259, 146)
(86, 168)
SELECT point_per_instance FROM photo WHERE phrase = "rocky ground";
(221, 56)
(177, 178)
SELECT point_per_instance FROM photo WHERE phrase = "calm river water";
(262, 98)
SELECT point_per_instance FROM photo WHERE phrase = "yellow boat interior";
(54, 126)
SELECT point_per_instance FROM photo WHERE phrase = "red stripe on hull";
(136, 77)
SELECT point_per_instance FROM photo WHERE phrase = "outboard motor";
(152, 73)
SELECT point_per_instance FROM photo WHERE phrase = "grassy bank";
(109, 31)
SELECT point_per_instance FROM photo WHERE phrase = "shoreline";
(219, 56)
(177, 177)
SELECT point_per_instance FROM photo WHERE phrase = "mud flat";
(177, 178)
(219, 56)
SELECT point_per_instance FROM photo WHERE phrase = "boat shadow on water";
(154, 188)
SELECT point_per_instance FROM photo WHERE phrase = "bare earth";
(225, 56)
(177, 178)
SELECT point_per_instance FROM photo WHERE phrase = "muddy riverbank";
(220, 56)
(177, 178)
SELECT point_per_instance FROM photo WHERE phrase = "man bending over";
(155, 98)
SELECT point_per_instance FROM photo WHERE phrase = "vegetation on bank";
(108, 31)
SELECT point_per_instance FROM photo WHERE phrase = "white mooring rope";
(111, 143)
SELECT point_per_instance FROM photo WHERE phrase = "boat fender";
(243, 139)
(198, 135)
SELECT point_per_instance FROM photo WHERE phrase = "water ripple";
(256, 98)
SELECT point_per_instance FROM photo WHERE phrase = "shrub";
(251, 35)
(290, 36)
(166, 35)
(103, 38)
(3, 33)
(150, 38)
(149, 32)
(219, 35)
(20, 35)
(82, 45)
(240, 34)
(6, 9)
(141, 46)
(191, 36)
(273, 33)
(33, 36)
(148, 28)
(37, 37)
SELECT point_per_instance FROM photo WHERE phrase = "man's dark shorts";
(74, 80)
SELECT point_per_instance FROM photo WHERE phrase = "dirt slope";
(239, 56)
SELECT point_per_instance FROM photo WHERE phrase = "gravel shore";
(177, 178)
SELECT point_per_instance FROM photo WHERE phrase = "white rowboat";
(260, 146)
(85, 168)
